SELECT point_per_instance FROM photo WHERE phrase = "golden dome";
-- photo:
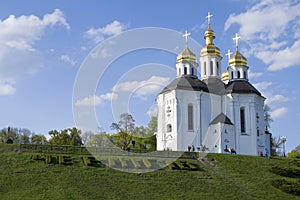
(237, 59)
(186, 55)
(209, 48)
(225, 75)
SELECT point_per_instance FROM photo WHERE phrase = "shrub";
(48, 159)
(86, 160)
(287, 172)
(290, 187)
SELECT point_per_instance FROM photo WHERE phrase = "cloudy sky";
(45, 48)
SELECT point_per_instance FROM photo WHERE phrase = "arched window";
(242, 119)
(245, 74)
(231, 75)
(211, 68)
(204, 68)
(190, 117)
(185, 70)
(192, 71)
(238, 74)
(218, 68)
(169, 128)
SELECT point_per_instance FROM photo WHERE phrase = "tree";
(15, 135)
(267, 117)
(275, 145)
(86, 137)
(100, 140)
(38, 139)
(295, 153)
(70, 136)
(125, 128)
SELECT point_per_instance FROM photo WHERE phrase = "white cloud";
(279, 112)
(270, 28)
(276, 98)
(22, 32)
(262, 86)
(266, 19)
(67, 59)
(98, 34)
(96, 100)
(17, 38)
(142, 88)
(57, 17)
(153, 110)
(282, 59)
(254, 74)
(6, 89)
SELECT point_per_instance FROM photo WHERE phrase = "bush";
(290, 187)
(48, 159)
(294, 154)
(287, 172)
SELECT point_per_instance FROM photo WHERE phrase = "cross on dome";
(236, 39)
(228, 54)
(186, 36)
(208, 17)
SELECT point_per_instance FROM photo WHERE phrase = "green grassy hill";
(27, 175)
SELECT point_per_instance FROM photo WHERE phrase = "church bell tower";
(210, 58)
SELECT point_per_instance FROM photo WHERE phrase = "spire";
(186, 36)
(208, 17)
(186, 63)
(210, 57)
(186, 54)
(236, 39)
(237, 59)
(209, 37)
(237, 69)
(228, 54)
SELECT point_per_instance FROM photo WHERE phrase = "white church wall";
(186, 136)
(228, 137)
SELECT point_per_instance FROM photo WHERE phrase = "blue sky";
(44, 45)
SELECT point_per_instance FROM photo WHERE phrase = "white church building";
(218, 112)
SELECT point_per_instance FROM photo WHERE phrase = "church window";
(231, 75)
(192, 71)
(204, 68)
(217, 68)
(190, 118)
(245, 74)
(257, 132)
(242, 119)
(211, 68)
(238, 74)
(169, 128)
(185, 70)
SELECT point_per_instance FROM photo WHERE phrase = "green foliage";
(288, 186)
(234, 177)
(70, 136)
(48, 159)
(287, 172)
(294, 154)
(38, 139)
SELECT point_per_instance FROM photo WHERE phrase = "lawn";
(219, 176)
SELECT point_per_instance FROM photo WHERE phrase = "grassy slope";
(235, 177)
